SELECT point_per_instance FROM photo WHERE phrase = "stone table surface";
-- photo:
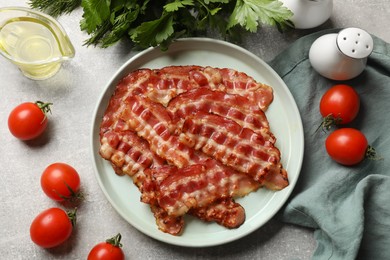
(75, 91)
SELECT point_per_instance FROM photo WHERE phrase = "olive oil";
(30, 43)
(28, 40)
(33, 41)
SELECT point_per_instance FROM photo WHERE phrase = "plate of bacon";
(198, 145)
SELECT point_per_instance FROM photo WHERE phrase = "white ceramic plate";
(285, 122)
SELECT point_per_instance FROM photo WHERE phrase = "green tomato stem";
(115, 241)
(45, 107)
(72, 214)
(372, 154)
(328, 122)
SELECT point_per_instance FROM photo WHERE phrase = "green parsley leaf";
(250, 13)
(174, 6)
(154, 32)
(95, 13)
(121, 24)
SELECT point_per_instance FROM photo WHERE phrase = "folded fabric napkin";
(348, 207)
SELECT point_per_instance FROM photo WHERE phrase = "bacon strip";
(195, 186)
(129, 154)
(235, 82)
(161, 85)
(234, 107)
(141, 116)
(235, 146)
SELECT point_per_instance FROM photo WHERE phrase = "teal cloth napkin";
(348, 207)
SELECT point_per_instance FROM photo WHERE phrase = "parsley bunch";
(156, 23)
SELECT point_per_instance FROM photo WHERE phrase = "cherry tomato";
(109, 250)
(52, 227)
(60, 182)
(341, 103)
(28, 120)
(347, 146)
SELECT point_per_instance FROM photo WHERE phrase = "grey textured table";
(74, 92)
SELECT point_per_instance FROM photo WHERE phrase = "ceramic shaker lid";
(355, 43)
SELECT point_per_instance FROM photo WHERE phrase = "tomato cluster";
(61, 183)
(339, 106)
(53, 226)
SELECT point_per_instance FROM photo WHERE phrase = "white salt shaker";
(309, 13)
(343, 55)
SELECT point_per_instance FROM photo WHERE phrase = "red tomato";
(347, 146)
(109, 250)
(340, 101)
(52, 227)
(28, 120)
(60, 182)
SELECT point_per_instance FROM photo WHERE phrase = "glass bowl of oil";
(33, 41)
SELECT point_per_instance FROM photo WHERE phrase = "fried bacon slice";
(192, 139)
(129, 154)
(161, 85)
(178, 190)
(235, 146)
(234, 107)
